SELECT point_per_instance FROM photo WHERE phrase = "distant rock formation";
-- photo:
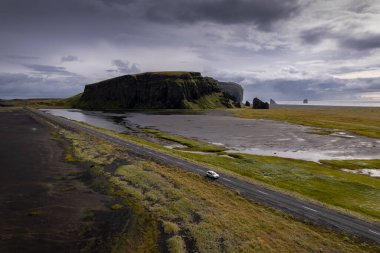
(247, 103)
(258, 104)
(159, 90)
(272, 102)
(305, 101)
(233, 91)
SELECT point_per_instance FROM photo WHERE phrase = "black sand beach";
(46, 205)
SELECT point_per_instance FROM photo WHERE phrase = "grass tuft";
(176, 245)
(117, 207)
(170, 228)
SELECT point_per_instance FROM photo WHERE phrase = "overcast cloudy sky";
(281, 49)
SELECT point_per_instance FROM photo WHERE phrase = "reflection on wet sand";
(253, 136)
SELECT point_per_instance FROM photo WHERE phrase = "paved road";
(300, 209)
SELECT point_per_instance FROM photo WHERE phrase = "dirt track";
(45, 205)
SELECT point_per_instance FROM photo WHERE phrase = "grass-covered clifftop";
(155, 90)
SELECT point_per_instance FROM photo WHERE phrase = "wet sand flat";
(45, 205)
(262, 137)
(252, 136)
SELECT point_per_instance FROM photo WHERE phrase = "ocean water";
(360, 103)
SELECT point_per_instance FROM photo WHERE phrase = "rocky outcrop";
(247, 103)
(272, 102)
(258, 104)
(233, 91)
(154, 90)
(305, 101)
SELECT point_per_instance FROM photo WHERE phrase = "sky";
(280, 49)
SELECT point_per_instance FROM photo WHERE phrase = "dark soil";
(45, 206)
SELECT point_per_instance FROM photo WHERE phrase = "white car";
(212, 174)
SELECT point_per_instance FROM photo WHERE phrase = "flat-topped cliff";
(155, 90)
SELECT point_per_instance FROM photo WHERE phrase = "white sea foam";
(369, 172)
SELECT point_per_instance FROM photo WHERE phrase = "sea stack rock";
(158, 90)
(305, 101)
(258, 104)
(272, 102)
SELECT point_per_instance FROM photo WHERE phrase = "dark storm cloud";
(69, 58)
(219, 35)
(352, 40)
(364, 42)
(48, 69)
(314, 35)
(72, 13)
(261, 13)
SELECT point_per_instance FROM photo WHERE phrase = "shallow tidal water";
(252, 136)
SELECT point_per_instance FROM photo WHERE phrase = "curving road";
(300, 209)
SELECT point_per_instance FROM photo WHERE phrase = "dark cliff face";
(233, 91)
(172, 90)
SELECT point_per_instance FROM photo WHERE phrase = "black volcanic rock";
(154, 90)
(305, 101)
(233, 91)
(258, 104)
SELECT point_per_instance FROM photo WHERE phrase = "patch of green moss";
(71, 101)
(192, 144)
(211, 101)
(170, 228)
(117, 207)
(69, 155)
(353, 164)
(176, 245)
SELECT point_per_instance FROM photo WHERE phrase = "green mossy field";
(324, 182)
(177, 211)
(358, 120)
